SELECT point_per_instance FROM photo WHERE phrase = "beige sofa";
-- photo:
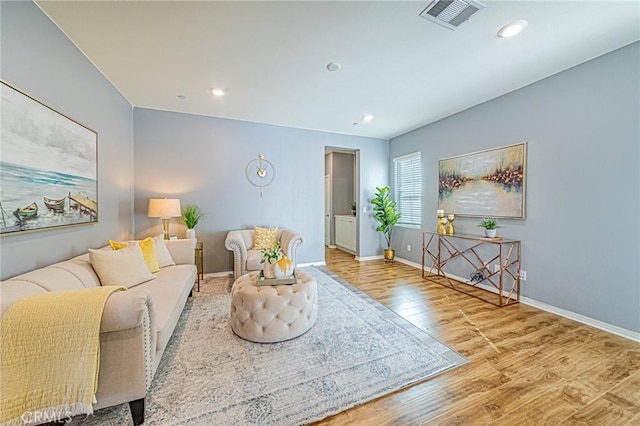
(247, 259)
(136, 324)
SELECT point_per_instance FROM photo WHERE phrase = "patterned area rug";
(357, 351)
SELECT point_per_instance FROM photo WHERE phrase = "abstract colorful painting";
(48, 166)
(489, 183)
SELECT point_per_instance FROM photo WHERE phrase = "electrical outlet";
(408, 247)
(496, 268)
(523, 275)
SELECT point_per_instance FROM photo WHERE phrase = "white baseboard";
(408, 262)
(609, 328)
(319, 263)
(218, 274)
(364, 259)
(230, 273)
(331, 246)
(486, 287)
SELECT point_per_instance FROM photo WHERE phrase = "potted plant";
(354, 207)
(269, 257)
(191, 215)
(490, 225)
(385, 212)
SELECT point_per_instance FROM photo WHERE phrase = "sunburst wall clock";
(260, 172)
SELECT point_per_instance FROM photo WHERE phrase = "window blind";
(408, 189)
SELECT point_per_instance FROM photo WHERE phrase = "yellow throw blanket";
(50, 355)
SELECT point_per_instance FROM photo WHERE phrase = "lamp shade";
(164, 207)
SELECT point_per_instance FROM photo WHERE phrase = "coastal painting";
(48, 166)
(489, 183)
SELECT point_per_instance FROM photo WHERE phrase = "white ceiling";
(270, 57)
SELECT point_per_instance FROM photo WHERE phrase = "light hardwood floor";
(526, 366)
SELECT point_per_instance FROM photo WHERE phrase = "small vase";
(284, 268)
(490, 233)
(190, 234)
(269, 270)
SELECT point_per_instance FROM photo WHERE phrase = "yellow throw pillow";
(115, 245)
(148, 252)
(264, 238)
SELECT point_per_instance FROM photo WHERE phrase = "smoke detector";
(451, 13)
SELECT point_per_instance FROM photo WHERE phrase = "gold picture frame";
(49, 167)
(489, 183)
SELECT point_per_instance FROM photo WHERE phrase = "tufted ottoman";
(268, 314)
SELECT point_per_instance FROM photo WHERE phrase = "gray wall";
(202, 160)
(581, 237)
(342, 180)
(39, 59)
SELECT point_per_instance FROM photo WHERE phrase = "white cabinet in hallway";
(346, 232)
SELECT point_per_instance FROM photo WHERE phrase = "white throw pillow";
(125, 267)
(162, 253)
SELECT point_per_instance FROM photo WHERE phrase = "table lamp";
(165, 209)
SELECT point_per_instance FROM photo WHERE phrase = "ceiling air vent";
(451, 13)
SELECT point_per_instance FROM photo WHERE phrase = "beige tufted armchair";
(246, 259)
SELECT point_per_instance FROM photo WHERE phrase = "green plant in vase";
(191, 215)
(269, 257)
(385, 212)
(490, 225)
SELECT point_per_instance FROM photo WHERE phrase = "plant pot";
(490, 233)
(190, 234)
(269, 270)
(389, 254)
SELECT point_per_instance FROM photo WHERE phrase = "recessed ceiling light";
(217, 92)
(512, 28)
(333, 66)
(367, 117)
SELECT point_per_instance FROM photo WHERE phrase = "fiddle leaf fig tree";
(385, 212)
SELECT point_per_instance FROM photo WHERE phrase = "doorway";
(342, 190)
(327, 211)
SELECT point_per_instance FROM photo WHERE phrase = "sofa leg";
(191, 293)
(137, 411)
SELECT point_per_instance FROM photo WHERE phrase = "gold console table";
(477, 255)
